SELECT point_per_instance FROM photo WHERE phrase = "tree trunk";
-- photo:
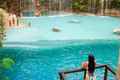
(37, 8)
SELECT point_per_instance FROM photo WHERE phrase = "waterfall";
(27, 7)
(59, 6)
(35, 7)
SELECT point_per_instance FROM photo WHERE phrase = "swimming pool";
(41, 53)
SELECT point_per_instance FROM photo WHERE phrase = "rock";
(74, 21)
(116, 31)
(56, 29)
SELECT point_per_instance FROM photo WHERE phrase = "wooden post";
(105, 73)
(85, 72)
(104, 6)
(61, 76)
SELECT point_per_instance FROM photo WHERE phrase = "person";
(90, 67)
(12, 20)
(118, 72)
(118, 69)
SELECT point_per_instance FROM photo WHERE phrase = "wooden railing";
(106, 68)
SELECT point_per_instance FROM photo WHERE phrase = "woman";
(12, 20)
(90, 67)
(118, 73)
(118, 70)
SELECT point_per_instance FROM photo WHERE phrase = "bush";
(2, 24)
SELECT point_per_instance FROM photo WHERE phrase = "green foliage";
(42, 2)
(12, 6)
(115, 4)
(80, 5)
(44, 13)
(86, 5)
(5, 64)
(2, 29)
(3, 4)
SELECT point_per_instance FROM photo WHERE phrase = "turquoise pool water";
(41, 53)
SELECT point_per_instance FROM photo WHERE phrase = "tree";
(80, 5)
(12, 6)
(115, 4)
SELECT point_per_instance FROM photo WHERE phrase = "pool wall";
(38, 64)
